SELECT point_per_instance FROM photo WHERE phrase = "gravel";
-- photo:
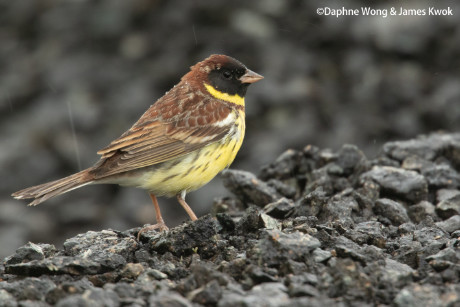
(346, 237)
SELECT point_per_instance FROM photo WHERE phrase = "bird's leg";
(181, 200)
(157, 211)
(160, 225)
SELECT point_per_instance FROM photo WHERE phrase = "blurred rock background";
(74, 75)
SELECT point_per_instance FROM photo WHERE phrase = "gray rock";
(421, 211)
(345, 248)
(226, 221)
(408, 250)
(320, 179)
(367, 233)
(406, 228)
(426, 146)
(441, 176)
(208, 294)
(268, 222)
(156, 274)
(94, 297)
(168, 299)
(131, 270)
(444, 259)
(316, 302)
(204, 284)
(339, 208)
(320, 255)
(351, 160)
(391, 210)
(30, 303)
(451, 295)
(227, 205)
(29, 288)
(264, 295)
(445, 194)
(108, 241)
(250, 221)
(397, 273)
(260, 275)
(248, 188)
(67, 288)
(280, 209)
(7, 299)
(56, 265)
(416, 295)
(276, 247)
(346, 276)
(285, 166)
(415, 163)
(456, 234)
(448, 203)
(287, 189)
(303, 290)
(431, 237)
(305, 278)
(309, 160)
(254, 219)
(194, 237)
(451, 224)
(30, 252)
(107, 248)
(312, 203)
(404, 184)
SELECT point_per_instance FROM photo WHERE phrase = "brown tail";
(47, 190)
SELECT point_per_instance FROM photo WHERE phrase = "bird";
(179, 144)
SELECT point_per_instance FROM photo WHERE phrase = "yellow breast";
(195, 169)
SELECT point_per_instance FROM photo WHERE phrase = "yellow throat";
(236, 99)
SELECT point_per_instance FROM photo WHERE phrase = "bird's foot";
(157, 226)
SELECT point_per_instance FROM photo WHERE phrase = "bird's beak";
(250, 77)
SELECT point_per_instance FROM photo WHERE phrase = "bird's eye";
(227, 74)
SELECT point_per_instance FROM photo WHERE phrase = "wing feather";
(153, 140)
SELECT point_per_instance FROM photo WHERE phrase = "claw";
(158, 226)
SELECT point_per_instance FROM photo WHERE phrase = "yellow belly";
(192, 171)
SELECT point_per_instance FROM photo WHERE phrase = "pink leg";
(160, 225)
(181, 200)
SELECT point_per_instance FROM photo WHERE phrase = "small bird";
(178, 145)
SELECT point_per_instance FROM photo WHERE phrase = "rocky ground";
(314, 228)
(74, 75)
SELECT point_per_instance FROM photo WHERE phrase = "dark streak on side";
(205, 167)
(170, 177)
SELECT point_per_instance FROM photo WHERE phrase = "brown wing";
(170, 128)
